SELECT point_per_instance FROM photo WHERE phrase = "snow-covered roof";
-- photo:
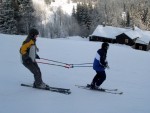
(112, 32)
(133, 34)
(146, 36)
(140, 41)
(107, 31)
(143, 40)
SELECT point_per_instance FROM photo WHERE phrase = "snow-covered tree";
(27, 16)
(48, 2)
(8, 23)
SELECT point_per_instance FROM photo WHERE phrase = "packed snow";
(129, 72)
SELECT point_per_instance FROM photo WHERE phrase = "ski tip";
(121, 93)
(69, 93)
(22, 84)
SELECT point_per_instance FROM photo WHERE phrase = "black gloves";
(37, 56)
(106, 65)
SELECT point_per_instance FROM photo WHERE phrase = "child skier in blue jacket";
(99, 66)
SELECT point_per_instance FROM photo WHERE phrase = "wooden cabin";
(124, 39)
(141, 44)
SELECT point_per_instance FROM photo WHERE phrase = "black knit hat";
(105, 45)
(33, 32)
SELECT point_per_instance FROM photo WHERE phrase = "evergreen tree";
(79, 13)
(83, 16)
(1, 18)
(144, 16)
(48, 2)
(128, 19)
(27, 16)
(89, 16)
(7, 22)
(74, 12)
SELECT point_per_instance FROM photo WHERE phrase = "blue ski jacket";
(100, 62)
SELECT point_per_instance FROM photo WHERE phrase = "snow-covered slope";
(129, 72)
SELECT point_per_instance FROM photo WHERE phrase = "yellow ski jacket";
(24, 50)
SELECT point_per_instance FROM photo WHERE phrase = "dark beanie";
(105, 45)
(33, 32)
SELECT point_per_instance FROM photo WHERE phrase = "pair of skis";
(111, 91)
(67, 91)
(53, 89)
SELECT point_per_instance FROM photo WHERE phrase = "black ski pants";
(34, 68)
(99, 78)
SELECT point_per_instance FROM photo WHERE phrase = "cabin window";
(126, 41)
(140, 47)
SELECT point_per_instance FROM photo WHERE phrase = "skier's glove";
(106, 64)
(37, 56)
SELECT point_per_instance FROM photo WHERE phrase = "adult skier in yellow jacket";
(28, 53)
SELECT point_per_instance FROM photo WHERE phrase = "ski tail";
(53, 89)
(27, 85)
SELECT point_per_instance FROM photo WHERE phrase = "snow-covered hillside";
(129, 72)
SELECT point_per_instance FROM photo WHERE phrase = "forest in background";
(18, 16)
